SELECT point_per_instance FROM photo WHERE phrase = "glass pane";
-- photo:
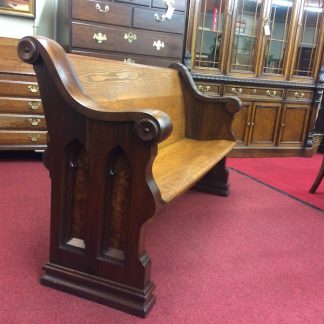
(312, 11)
(246, 30)
(276, 42)
(209, 33)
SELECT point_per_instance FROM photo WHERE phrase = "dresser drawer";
(131, 58)
(299, 95)
(15, 88)
(102, 12)
(253, 92)
(126, 41)
(138, 2)
(22, 122)
(23, 138)
(20, 105)
(178, 5)
(209, 88)
(145, 19)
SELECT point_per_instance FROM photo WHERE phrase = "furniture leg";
(216, 180)
(319, 178)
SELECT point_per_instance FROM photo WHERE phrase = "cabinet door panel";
(209, 38)
(308, 42)
(241, 124)
(293, 125)
(264, 124)
(279, 21)
(245, 28)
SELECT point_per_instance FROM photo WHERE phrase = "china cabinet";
(268, 53)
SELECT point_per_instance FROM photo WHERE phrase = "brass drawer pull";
(98, 7)
(237, 91)
(33, 88)
(34, 105)
(130, 37)
(204, 88)
(299, 95)
(99, 37)
(271, 93)
(158, 45)
(129, 60)
(34, 121)
(34, 137)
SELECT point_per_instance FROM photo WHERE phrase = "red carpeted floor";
(292, 175)
(253, 257)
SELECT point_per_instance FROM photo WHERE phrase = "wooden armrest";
(54, 71)
(207, 118)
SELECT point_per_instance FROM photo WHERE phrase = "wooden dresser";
(22, 123)
(129, 30)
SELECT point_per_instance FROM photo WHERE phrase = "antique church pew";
(124, 141)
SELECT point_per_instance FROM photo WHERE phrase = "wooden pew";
(124, 141)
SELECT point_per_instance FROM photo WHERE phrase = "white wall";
(43, 24)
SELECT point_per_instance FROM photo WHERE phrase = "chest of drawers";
(129, 30)
(22, 122)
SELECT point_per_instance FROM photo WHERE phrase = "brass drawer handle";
(34, 137)
(99, 37)
(130, 37)
(299, 95)
(129, 60)
(34, 121)
(158, 45)
(237, 91)
(271, 93)
(34, 105)
(204, 88)
(98, 7)
(33, 88)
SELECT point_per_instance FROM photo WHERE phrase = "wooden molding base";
(125, 298)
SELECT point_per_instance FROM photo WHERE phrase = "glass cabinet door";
(276, 32)
(209, 37)
(246, 28)
(310, 31)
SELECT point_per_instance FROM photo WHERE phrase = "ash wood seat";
(125, 140)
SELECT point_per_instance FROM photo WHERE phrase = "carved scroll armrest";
(58, 80)
(207, 118)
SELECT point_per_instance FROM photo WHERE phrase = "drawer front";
(145, 19)
(102, 12)
(20, 105)
(126, 41)
(254, 92)
(22, 122)
(23, 138)
(138, 2)
(14, 89)
(131, 58)
(299, 95)
(178, 5)
(209, 88)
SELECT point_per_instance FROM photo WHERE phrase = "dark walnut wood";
(128, 30)
(125, 140)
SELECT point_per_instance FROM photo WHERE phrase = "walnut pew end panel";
(125, 140)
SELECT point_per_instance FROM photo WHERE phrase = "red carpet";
(254, 257)
(292, 175)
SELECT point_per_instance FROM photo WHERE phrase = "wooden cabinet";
(22, 122)
(141, 31)
(268, 53)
